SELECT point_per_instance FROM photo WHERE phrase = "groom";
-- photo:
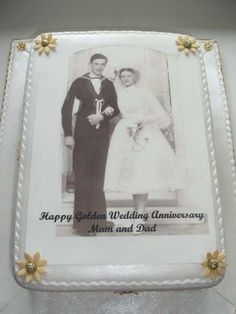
(90, 141)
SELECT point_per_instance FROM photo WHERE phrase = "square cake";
(117, 184)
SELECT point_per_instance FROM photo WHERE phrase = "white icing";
(181, 271)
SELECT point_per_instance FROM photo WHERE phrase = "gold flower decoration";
(208, 45)
(45, 44)
(31, 267)
(187, 44)
(214, 265)
(21, 46)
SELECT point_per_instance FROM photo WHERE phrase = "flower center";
(187, 44)
(212, 264)
(208, 46)
(31, 267)
(45, 42)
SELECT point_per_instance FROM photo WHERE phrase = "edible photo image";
(124, 167)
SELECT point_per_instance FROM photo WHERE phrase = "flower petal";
(179, 42)
(28, 257)
(42, 262)
(209, 256)
(215, 254)
(206, 272)
(49, 37)
(221, 257)
(43, 36)
(220, 271)
(36, 257)
(53, 40)
(47, 50)
(181, 48)
(40, 50)
(37, 46)
(194, 45)
(22, 272)
(28, 277)
(37, 276)
(204, 263)
(193, 49)
(52, 46)
(221, 264)
(186, 51)
(21, 262)
(213, 274)
(186, 38)
(41, 270)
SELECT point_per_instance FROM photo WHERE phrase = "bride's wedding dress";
(141, 160)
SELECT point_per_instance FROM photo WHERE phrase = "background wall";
(203, 19)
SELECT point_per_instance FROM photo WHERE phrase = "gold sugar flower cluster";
(187, 44)
(214, 265)
(31, 267)
(45, 43)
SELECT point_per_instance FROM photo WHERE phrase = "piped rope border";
(4, 110)
(227, 119)
(212, 153)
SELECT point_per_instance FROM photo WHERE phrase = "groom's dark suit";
(91, 144)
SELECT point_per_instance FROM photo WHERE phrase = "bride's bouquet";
(134, 129)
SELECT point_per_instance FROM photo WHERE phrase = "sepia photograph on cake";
(124, 168)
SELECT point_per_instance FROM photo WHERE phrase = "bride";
(140, 160)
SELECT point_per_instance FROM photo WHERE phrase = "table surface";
(203, 19)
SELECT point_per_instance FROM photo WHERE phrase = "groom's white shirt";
(96, 81)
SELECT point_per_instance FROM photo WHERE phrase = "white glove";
(69, 142)
(108, 111)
